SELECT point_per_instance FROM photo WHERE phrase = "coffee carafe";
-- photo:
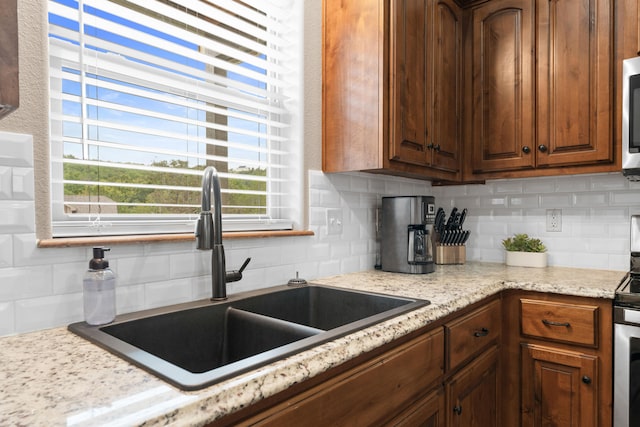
(406, 244)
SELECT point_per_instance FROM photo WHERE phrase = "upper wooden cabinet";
(502, 101)
(8, 56)
(392, 87)
(542, 87)
(426, 51)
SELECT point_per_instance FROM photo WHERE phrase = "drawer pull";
(481, 333)
(457, 409)
(552, 323)
(586, 379)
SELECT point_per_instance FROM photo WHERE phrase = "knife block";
(450, 254)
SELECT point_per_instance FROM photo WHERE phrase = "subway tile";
(480, 190)
(16, 149)
(508, 187)
(6, 250)
(136, 270)
(158, 294)
(522, 201)
(6, 183)
(591, 199)
(129, 298)
(17, 216)
(20, 283)
(190, 264)
(317, 179)
(572, 183)
(539, 185)
(554, 201)
(26, 252)
(68, 277)
(340, 182)
(624, 198)
(22, 184)
(46, 312)
(7, 318)
(608, 182)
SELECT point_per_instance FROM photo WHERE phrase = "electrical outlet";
(554, 219)
(334, 221)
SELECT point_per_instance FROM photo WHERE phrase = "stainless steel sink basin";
(198, 344)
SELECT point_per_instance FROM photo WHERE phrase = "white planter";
(527, 259)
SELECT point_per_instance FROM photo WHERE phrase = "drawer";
(470, 334)
(570, 323)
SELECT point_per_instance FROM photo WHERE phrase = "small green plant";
(523, 243)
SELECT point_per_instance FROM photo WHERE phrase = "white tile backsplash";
(595, 217)
(42, 288)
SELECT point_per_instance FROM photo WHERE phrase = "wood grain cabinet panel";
(575, 85)
(392, 87)
(370, 394)
(571, 323)
(558, 387)
(542, 88)
(427, 412)
(473, 394)
(502, 86)
(470, 334)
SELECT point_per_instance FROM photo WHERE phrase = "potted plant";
(525, 251)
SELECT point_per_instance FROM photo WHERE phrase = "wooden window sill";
(66, 242)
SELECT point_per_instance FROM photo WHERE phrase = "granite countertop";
(53, 377)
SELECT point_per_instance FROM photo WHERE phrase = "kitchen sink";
(197, 344)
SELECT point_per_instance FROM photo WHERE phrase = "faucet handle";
(235, 275)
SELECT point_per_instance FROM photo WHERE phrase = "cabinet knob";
(542, 148)
(526, 150)
(430, 145)
(481, 333)
(586, 379)
(436, 147)
(457, 409)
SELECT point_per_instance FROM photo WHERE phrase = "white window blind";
(146, 93)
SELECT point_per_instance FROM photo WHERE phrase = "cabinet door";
(411, 70)
(472, 394)
(574, 55)
(559, 387)
(427, 412)
(502, 86)
(445, 112)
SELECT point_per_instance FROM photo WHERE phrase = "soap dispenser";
(99, 287)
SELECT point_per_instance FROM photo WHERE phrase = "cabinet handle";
(586, 379)
(457, 409)
(542, 148)
(481, 333)
(552, 323)
(430, 145)
(436, 147)
(413, 145)
(526, 150)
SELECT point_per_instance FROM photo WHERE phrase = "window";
(146, 93)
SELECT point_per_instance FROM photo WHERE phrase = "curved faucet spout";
(209, 232)
(209, 235)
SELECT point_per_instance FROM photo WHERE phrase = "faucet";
(209, 236)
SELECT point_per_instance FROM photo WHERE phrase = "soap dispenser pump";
(99, 286)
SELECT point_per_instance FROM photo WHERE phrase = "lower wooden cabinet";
(427, 412)
(516, 359)
(372, 393)
(473, 393)
(558, 387)
(557, 360)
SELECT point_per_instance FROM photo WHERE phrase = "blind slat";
(152, 93)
